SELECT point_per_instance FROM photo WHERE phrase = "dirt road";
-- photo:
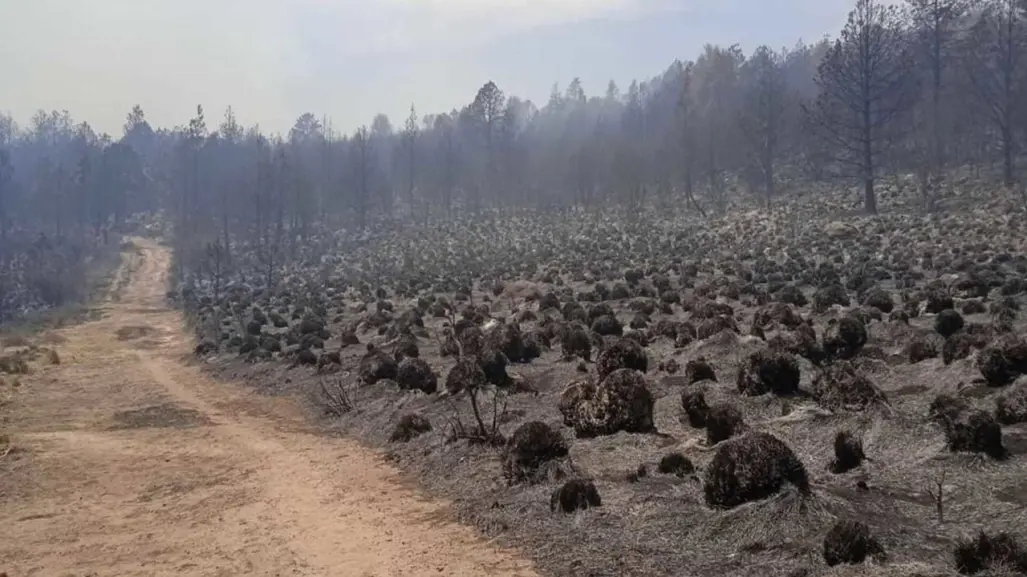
(129, 461)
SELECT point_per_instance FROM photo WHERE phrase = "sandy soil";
(127, 460)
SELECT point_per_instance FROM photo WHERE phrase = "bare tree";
(994, 54)
(487, 110)
(865, 87)
(762, 113)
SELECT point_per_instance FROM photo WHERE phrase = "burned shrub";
(466, 375)
(850, 542)
(675, 464)
(974, 307)
(670, 366)
(508, 340)
(699, 369)
(714, 326)
(376, 365)
(1011, 405)
(945, 409)
(415, 373)
(621, 402)
(976, 432)
(723, 421)
(576, 343)
(693, 402)
(986, 552)
(493, 363)
(937, 301)
(848, 453)
(405, 347)
(844, 337)
(842, 386)
(607, 325)
(254, 328)
(623, 354)
(769, 371)
(575, 495)
(959, 346)
(829, 296)
(1003, 361)
(666, 328)
(779, 314)
(598, 311)
(948, 322)
(471, 339)
(573, 395)
(879, 299)
(751, 468)
(920, 349)
(532, 445)
(409, 427)
(792, 295)
(639, 322)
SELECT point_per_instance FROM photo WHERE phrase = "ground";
(125, 459)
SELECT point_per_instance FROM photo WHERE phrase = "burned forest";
(759, 314)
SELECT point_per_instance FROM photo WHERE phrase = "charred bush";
(986, 552)
(769, 371)
(621, 402)
(844, 337)
(693, 402)
(976, 432)
(879, 299)
(848, 453)
(532, 445)
(948, 322)
(920, 349)
(699, 369)
(1011, 405)
(829, 296)
(493, 363)
(623, 354)
(842, 386)
(409, 427)
(723, 421)
(576, 343)
(466, 375)
(415, 373)
(376, 365)
(607, 325)
(675, 464)
(850, 542)
(575, 495)
(751, 468)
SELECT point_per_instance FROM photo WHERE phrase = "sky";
(273, 60)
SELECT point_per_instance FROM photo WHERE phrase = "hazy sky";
(349, 59)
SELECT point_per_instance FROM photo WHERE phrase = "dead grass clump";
(990, 552)
(376, 365)
(693, 401)
(848, 453)
(699, 369)
(675, 464)
(850, 542)
(623, 354)
(621, 402)
(409, 427)
(532, 445)
(415, 373)
(844, 337)
(723, 421)
(769, 371)
(575, 495)
(842, 386)
(1011, 405)
(976, 432)
(752, 468)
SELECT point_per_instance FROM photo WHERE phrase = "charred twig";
(938, 494)
(335, 397)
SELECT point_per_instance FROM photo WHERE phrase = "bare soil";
(126, 460)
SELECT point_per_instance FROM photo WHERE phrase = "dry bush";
(335, 397)
(751, 468)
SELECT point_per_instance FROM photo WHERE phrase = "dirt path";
(131, 462)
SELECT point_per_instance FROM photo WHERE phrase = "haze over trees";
(925, 88)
